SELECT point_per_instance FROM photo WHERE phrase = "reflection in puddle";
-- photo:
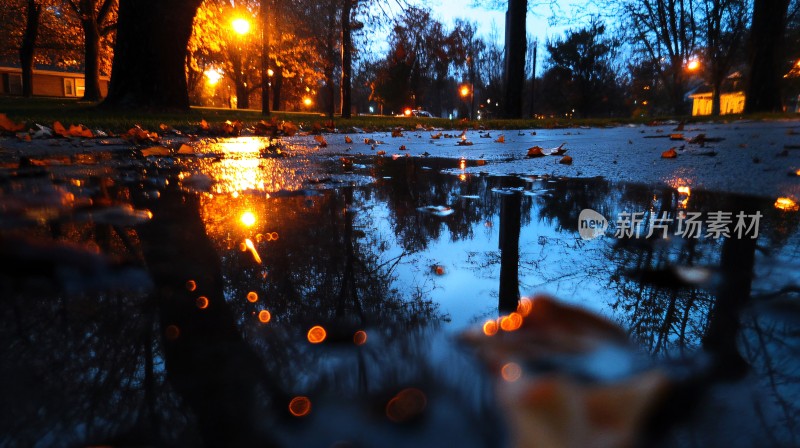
(294, 290)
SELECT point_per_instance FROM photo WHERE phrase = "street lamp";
(693, 65)
(241, 26)
(465, 91)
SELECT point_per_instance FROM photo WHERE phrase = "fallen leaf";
(676, 136)
(397, 133)
(204, 126)
(9, 125)
(501, 139)
(80, 131)
(402, 148)
(348, 140)
(669, 154)
(566, 160)
(321, 140)
(288, 128)
(381, 153)
(186, 149)
(156, 151)
(436, 136)
(59, 129)
(536, 151)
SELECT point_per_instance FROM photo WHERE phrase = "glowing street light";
(693, 65)
(307, 101)
(241, 26)
(213, 76)
(464, 91)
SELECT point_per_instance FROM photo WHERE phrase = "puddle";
(239, 298)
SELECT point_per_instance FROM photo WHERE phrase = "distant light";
(490, 328)
(316, 334)
(264, 316)
(307, 101)
(693, 65)
(300, 406)
(407, 112)
(252, 297)
(786, 205)
(241, 26)
(270, 72)
(464, 90)
(248, 219)
(213, 76)
(371, 110)
(511, 372)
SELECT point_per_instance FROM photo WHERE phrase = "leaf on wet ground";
(321, 141)
(397, 132)
(669, 154)
(9, 125)
(501, 139)
(138, 135)
(81, 131)
(566, 160)
(348, 140)
(158, 151)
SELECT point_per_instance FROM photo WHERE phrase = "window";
(69, 87)
(80, 87)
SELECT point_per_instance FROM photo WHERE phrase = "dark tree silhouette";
(26, 50)
(150, 53)
(766, 50)
(95, 25)
(516, 42)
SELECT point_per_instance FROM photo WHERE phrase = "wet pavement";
(282, 293)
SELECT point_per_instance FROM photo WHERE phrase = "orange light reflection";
(317, 334)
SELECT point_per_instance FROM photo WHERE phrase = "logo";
(591, 224)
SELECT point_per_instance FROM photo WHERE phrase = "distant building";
(53, 83)
(729, 103)
(731, 100)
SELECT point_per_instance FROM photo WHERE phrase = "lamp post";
(241, 27)
(466, 90)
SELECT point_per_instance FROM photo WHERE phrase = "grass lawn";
(68, 111)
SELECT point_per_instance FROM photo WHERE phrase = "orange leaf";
(348, 140)
(397, 133)
(321, 140)
(80, 131)
(501, 139)
(59, 129)
(289, 128)
(536, 151)
(669, 154)
(156, 151)
(204, 126)
(8, 125)
(566, 160)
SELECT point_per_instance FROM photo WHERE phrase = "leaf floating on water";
(321, 141)
(156, 151)
(348, 140)
(9, 125)
(669, 154)
(501, 139)
(437, 210)
(536, 151)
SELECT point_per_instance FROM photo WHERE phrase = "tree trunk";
(347, 59)
(91, 36)
(264, 58)
(28, 46)
(716, 92)
(277, 84)
(516, 41)
(243, 95)
(766, 54)
(510, 224)
(149, 63)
